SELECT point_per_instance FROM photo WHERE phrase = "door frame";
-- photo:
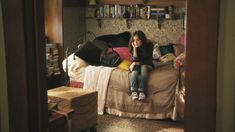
(23, 26)
(201, 65)
(24, 40)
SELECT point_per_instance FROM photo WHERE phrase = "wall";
(4, 126)
(169, 32)
(74, 25)
(226, 73)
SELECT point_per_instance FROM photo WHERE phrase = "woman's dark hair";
(141, 36)
(146, 46)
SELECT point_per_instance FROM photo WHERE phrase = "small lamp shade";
(92, 2)
(143, 1)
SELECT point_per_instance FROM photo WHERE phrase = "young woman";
(142, 63)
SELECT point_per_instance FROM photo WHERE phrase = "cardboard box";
(83, 102)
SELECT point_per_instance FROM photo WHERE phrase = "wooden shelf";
(177, 3)
(120, 2)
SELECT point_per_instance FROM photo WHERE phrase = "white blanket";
(96, 78)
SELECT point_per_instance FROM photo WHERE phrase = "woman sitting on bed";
(142, 63)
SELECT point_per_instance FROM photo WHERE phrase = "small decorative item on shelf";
(126, 14)
(170, 12)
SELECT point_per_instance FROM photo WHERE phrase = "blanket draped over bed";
(96, 78)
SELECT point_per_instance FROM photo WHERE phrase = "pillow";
(182, 39)
(125, 64)
(101, 44)
(89, 53)
(167, 58)
(156, 52)
(119, 42)
(124, 52)
(178, 49)
(106, 38)
(116, 40)
(74, 62)
(165, 49)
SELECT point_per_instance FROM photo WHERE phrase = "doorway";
(202, 34)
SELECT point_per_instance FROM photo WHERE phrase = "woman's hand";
(133, 65)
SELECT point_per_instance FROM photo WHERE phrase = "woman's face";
(137, 42)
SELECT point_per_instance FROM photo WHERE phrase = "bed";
(162, 86)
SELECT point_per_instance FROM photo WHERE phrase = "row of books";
(52, 59)
(131, 11)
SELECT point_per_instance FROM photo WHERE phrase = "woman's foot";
(142, 96)
(134, 95)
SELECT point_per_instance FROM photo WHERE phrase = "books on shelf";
(52, 59)
(131, 11)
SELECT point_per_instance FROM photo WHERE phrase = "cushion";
(165, 49)
(101, 44)
(125, 64)
(182, 39)
(73, 63)
(89, 53)
(116, 40)
(106, 38)
(119, 42)
(167, 58)
(178, 49)
(124, 52)
(156, 52)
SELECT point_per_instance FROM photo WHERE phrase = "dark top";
(144, 55)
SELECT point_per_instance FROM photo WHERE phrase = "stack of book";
(52, 59)
(120, 11)
(133, 11)
(156, 12)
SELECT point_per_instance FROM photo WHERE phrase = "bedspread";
(160, 100)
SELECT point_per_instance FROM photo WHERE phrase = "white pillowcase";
(74, 63)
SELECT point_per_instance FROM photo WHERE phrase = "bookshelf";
(53, 68)
(52, 59)
(134, 11)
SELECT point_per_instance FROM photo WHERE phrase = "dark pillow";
(119, 42)
(116, 40)
(165, 49)
(106, 38)
(100, 44)
(124, 35)
(89, 53)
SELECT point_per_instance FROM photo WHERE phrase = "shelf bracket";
(128, 23)
(159, 23)
(99, 22)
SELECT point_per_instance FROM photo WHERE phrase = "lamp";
(143, 1)
(92, 2)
